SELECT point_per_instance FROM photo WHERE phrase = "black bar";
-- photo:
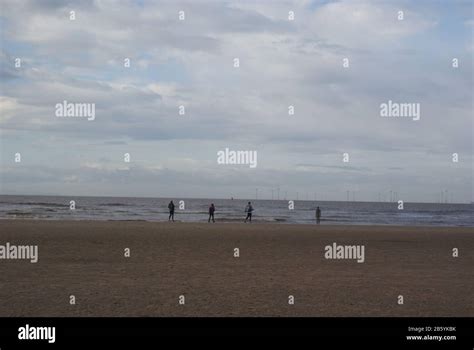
(122, 331)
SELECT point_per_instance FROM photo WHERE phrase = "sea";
(232, 210)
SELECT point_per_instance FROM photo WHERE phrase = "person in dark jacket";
(318, 215)
(212, 209)
(249, 210)
(171, 209)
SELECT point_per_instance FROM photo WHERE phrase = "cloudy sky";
(283, 63)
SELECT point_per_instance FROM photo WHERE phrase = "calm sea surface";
(195, 210)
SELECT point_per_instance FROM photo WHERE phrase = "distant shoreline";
(255, 221)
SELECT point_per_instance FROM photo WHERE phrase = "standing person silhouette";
(212, 209)
(318, 215)
(171, 208)
(249, 210)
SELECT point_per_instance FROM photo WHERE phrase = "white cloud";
(366, 24)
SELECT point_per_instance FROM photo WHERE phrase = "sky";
(283, 62)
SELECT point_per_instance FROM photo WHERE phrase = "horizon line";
(232, 198)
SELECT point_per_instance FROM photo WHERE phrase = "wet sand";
(86, 259)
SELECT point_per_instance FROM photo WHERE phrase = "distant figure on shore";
(249, 210)
(212, 209)
(318, 215)
(171, 208)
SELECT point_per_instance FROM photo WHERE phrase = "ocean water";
(196, 210)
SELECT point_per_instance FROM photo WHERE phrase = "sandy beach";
(86, 259)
